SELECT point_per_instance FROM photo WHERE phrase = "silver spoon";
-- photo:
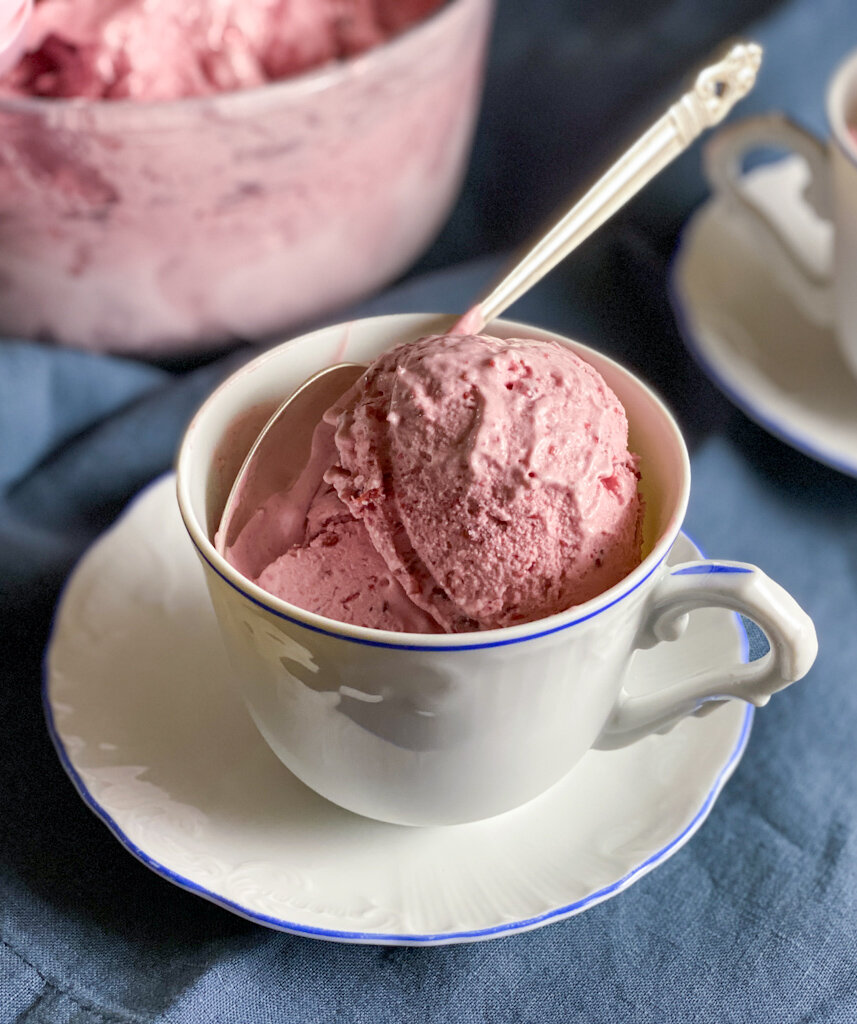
(286, 436)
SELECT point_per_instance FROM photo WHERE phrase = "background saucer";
(140, 707)
(739, 312)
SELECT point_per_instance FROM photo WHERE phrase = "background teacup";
(824, 287)
(426, 729)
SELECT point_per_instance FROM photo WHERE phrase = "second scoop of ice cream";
(484, 483)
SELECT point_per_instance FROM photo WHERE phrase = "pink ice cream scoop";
(476, 483)
(305, 546)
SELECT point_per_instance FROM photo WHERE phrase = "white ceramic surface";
(140, 706)
(430, 730)
(756, 329)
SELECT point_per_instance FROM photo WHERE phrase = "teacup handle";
(703, 584)
(723, 159)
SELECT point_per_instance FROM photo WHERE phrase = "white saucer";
(139, 705)
(738, 310)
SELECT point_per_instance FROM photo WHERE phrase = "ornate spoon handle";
(716, 90)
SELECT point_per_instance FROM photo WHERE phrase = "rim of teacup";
(479, 639)
(844, 76)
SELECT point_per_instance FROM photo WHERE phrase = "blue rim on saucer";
(710, 362)
(381, 938)
(778, 428)
(391, 937)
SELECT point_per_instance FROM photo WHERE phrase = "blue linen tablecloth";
(755, 920)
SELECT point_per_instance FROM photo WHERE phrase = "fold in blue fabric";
(755, 920)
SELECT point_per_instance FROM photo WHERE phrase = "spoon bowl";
(281, 451)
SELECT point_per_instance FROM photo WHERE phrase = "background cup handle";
(742, 588)
(723, 159)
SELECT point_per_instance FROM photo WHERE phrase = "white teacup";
(430, 730)
(827, 293)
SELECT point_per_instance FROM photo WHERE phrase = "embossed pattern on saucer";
(140, 707)
(739, 314)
